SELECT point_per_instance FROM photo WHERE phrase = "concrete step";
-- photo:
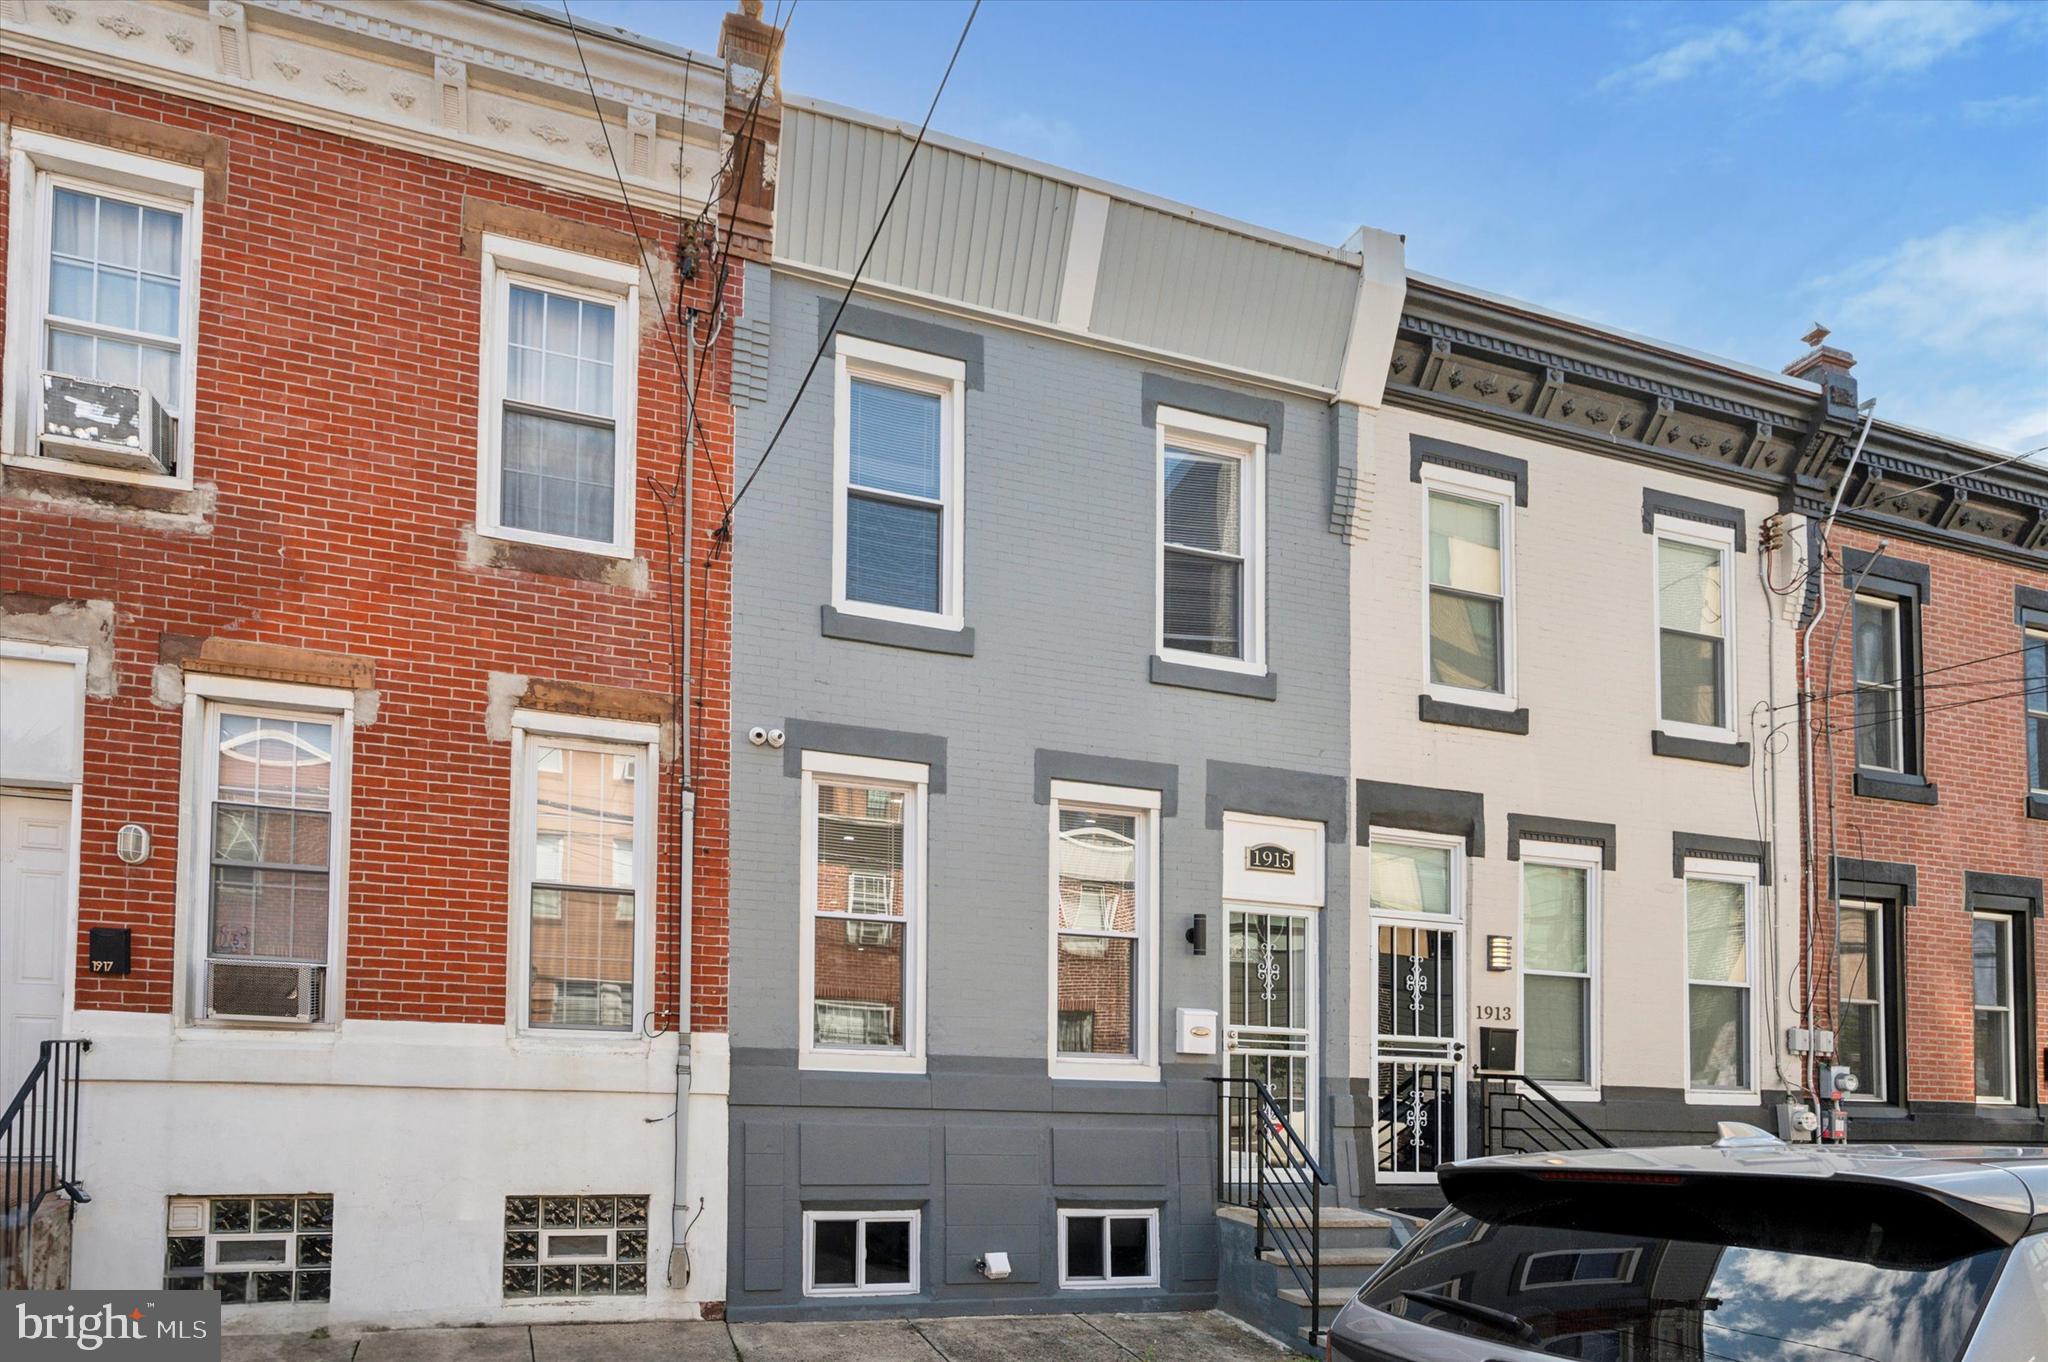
(1347, 1268)
(1333, 1217)
(1332, 1297)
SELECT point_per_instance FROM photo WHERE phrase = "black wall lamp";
(1198, 934)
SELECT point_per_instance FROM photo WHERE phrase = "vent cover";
(250, 992)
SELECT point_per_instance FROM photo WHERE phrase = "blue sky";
(1717, 175)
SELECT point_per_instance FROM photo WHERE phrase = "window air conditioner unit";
(106, 424)
(239, 991)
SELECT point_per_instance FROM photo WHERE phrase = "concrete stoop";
(44, 1263)
(1262, 1290)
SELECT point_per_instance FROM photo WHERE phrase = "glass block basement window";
(254, 1250)
(575, 1246)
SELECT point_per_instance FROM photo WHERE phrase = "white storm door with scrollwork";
(1418, 1050)
(1270, 1034)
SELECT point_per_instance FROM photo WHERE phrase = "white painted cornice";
(481, 84)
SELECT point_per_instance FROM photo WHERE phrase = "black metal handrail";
(1277, 1178)
(1523, 1117)
(39, 1145)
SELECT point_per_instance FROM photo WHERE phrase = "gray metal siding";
(1200, 290)
(965, 228)
(1060, 561)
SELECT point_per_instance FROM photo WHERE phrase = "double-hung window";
(862, 947)
(103, 271)
(1861, 1024)
(1695, 665)
(1880, 688)
(1211, 541)
(1993, 969)
(898, 504)
(2036, 672)
(1720, 1008)
(559, 378)
(1469, 529)
(583, 873)
(1560, 935)
(271, 780)
(1105, 915)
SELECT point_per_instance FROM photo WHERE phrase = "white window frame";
(206, 696)
(39, 163)
(1872, 1087)
(2008, 924)
(914, 1218)
(913, 780)
(509, 260)
(2034, 705)
(1469, 486)
(611, 735)
(1142, 1066)
(1453, 842)
(1571, 856)
(1149, 1214)
(1696, 535)
(913, 371)
(1749, 875)
(1215, 437)
(1895, 608)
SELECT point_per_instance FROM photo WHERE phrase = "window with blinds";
(1692, 633)
(1211, 549)
(1467, 593)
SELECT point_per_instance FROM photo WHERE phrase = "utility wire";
(725, 527)
(1914, 677)
(1935, 709)
(1967, 473)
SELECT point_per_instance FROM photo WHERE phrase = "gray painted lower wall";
(987, 1152)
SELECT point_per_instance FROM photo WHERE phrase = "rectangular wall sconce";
(1500, 954)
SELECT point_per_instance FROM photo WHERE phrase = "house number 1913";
(1269, 856)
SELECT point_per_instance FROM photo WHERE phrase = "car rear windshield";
(1592, 1294)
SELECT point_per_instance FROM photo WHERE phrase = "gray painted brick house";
(1041, 657)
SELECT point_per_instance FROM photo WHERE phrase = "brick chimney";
(1829, 367)
(752, 51)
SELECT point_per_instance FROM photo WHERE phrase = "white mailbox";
(1197, 1028)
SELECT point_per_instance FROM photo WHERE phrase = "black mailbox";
(107, 950)
(1497, 1049)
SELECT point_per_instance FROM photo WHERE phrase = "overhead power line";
(1951, 477)
(851, 284)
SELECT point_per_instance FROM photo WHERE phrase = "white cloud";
(1815, 44)
(2004, 109)
(1954, 328)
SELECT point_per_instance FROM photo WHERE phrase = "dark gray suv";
(1748, 1250)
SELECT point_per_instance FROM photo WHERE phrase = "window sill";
(1904, 789)
(536, 539)
(1722, 1099)
(850, 1062)
(603, 566)
(310, 1036)
(1104, 1071)
(1434, 711)
(80, 484)
(1664, 744)
(924, 638)
(1194, 676)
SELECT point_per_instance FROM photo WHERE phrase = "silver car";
(1749, 1250)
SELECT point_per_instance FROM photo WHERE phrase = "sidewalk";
(1158, 1337)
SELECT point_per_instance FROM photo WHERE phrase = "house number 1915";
(1269, 856)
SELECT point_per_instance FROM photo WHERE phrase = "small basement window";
(1103, 1249)
(254, 1250)
(861, 1253)
(559, 1246)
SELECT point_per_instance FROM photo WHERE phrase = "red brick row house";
(1925, 660)
(364, 638)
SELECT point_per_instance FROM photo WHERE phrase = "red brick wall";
(336, 414)
(1976, 756)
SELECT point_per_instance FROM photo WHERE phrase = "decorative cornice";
(1489, 363)
(481, 84)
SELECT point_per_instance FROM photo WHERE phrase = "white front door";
(35, 893)
(1271, 1032)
